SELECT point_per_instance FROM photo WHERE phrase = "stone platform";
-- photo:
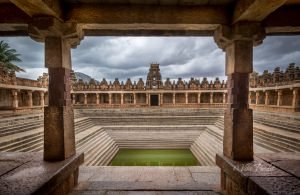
(276, 173)
(148, 180)
(27, 173)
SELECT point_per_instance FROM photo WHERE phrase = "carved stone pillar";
(85, 99)
(29, 101)
(199, 98)
(134, 98)
(15, 102)
(42, 98)
(97, 98)
(224, 98)
(186, 98)
(267, 98)
(295, 98)
(174, 98)
(279, 98)
(147, 98)
(74, 99)
(59, 135)
(257, 97)
(211, 98)
(109, 98)
(161, 99)
(237, 41)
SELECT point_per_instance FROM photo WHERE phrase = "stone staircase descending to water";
(100, 133)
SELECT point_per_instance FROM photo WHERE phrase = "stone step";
(23, 144)
(281, 140)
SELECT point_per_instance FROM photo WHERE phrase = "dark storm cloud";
(277, 51)
(129, 57)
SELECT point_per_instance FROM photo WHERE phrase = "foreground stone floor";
(148, 180)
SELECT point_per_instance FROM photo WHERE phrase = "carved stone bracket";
(47, 26)
(242, 31)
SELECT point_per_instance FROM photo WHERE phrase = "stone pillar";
(42, 99)
(97, 98)
(257, 97)
(224, 98)
(134, 98)
(29, 101)
(59, 137)
(279, 98)
(59, 134)
(147, 98)
(109, 98)
(211, 98)
(74, 99)
(295, 98)
(186, 98)
(15, 102)
(161, 99)
(267, 93)
(174, 99)
(237, 41)
(199, 98)
(85, 99)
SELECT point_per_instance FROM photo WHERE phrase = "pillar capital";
(242, 31)
(47, 26)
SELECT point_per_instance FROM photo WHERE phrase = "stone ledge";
(266, 174)
(28, 173)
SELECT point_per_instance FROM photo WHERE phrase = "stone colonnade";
(142, 98)
(270, 98)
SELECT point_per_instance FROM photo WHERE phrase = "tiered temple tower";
(154, 80)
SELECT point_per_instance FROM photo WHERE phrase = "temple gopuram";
(277, 91)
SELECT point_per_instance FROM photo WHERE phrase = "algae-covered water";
(157, 157)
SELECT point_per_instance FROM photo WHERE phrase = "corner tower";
(154, 77)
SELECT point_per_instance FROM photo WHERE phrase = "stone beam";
(40, 7)
(286, 20)
(117, 17)
(13, 21)
(255, 10)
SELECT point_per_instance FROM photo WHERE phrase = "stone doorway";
(154, 100)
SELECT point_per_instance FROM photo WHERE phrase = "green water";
(149, 157)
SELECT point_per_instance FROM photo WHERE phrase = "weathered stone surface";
(239, 172)
(274, 185)
(147, 178)
(59, 134)
(35, 176)
(290, 166)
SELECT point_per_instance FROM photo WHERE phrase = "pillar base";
(238, 134)
(59, 134)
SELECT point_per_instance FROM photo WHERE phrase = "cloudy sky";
(129, 57)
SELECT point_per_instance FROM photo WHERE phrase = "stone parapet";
(266, 174)
(28, 173)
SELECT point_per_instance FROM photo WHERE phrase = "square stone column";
(134, 98)
(199, 98)
(122, 98)
(186, 98)
(211, 97)
(295, 97)
(74, 99)
(42, 98)
(59, 136)
(237, 41)
(85, 99)
(161, 99)
(224, 98)
(97, 98)
(15, 102)
(174, 99)
(109, 98)
(279, 98)
(257, 97)
(29, 101)
(267, 93)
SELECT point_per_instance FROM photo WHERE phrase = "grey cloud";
(129, 57)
